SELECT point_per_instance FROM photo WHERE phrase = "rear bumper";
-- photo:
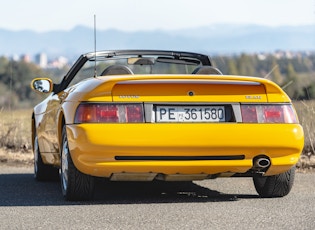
(104, 149)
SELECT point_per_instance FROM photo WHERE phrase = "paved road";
(223, 203)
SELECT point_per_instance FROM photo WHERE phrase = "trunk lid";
(195, 89)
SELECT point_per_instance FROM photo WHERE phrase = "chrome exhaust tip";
(262, 162)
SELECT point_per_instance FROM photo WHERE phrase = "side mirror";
(42, 85)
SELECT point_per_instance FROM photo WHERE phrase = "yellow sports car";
(144, 115)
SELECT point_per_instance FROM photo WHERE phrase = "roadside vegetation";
(295, 75)
(306, 113)
(15, 136)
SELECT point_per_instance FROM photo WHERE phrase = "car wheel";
(75, 185)
(43, 172)
(275, 186)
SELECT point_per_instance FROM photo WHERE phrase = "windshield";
(136, 65)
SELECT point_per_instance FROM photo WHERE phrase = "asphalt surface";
(224, 203)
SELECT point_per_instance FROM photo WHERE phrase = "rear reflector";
(109, 113)
(268, 114)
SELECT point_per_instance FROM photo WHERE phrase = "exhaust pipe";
(262, 162)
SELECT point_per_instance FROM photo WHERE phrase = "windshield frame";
(166, 56)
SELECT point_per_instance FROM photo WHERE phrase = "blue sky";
(137, 15)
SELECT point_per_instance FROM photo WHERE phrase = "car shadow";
(159, 192)
(23, 190)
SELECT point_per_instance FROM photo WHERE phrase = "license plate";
(190, 114)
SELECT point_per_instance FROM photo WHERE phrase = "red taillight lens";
(249, 113)
(134, 113)
(268, 114)
(109, 113)
(273, 114)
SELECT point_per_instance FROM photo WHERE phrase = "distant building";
(59, 62)
(41, 60)
(26, 58)
(15, 57)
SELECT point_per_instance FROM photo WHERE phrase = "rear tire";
(43, 172)
(275, 186)
(75, 185)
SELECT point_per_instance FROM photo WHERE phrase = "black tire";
(43, 172)
(75, 185)
(275, 186)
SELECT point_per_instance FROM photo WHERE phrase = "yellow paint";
(93, 147)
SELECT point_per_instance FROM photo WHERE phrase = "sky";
(140, 15)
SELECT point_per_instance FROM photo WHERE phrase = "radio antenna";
(95, 72)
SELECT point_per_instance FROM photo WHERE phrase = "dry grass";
(306, 113)
(16, 157)
(15, 130)
(15, 135)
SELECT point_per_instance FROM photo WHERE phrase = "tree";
(232, 69)
(246, 65)
(16, 77)
(292, 84)
(275, 74)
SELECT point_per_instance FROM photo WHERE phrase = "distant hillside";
(211, 39)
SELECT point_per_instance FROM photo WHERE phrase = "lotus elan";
(144, 115)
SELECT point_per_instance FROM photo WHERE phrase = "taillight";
(109, 113)
(268, 113)
(134, 113)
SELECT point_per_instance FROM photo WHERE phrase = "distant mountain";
(212, 39)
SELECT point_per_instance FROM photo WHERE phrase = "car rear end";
(184, 128)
